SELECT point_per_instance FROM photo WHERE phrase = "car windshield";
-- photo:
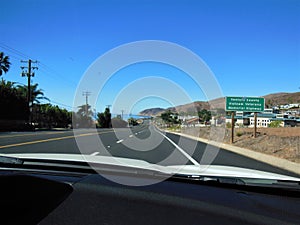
(197, 87)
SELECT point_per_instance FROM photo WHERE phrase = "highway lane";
(115, 142)
(141, 142)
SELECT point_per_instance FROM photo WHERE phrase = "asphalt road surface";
(143, 142)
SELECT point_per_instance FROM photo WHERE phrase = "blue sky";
(252, 47)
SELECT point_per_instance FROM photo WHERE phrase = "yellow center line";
(51, 139)
(23, 135)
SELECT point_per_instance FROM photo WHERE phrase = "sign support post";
(232, 127)
(255, 124)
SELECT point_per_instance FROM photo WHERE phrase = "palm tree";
(7, 84)
(36, 94)
(12, 103)
(85, 111)
(4, 63)
(83, 117)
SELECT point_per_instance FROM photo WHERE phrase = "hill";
(151, 111)
(190, 107)
(282, 98)
(219, 103)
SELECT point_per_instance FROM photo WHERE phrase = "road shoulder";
(269, 159)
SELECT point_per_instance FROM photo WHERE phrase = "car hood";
(193, 170)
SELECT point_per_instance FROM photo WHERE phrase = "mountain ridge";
(272, 99)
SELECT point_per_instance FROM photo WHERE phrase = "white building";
(262, 121)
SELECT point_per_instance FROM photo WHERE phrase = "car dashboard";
(56, 196)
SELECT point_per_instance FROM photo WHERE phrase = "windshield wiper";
(240, 181)
(210, 179)
(4, 160)
(273, 182)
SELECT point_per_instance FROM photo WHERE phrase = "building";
(263, 119)
(241, 118)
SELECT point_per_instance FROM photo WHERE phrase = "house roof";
(192, 120)
(264, 115)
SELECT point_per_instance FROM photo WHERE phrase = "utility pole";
(29, 74)
(95, 114)
(122, 112)
(86, 94)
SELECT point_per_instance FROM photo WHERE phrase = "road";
(141, 142)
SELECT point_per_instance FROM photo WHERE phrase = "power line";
(16, 54)
(52, 72)
(61, 104)
(14, 57)
(14, 51)
(12, 54)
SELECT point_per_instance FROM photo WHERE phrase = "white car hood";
(203, 170)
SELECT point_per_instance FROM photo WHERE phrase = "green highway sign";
(246, 104)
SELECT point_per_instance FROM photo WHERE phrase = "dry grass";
(280, 142)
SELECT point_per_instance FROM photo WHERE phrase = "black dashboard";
(56, 197)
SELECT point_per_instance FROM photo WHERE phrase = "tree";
(170, 118)
(83, 117)
(104, 119)
(132, 121)
(14, 108)
(7, 84)
(13, 105)
(290, 100)
(269, 103)
(4, 63)
(101, 120)
(204, 115)
(85, 111)
(36, 94)
(107, 116)
(47, 115)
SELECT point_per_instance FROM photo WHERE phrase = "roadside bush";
(174, 128)
(275, 123)
(239, 133)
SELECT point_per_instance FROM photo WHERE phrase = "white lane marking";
(180, 149)
(130, 135)
(95, 153)
(119, 141)
(108, 146)
(136, 133)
